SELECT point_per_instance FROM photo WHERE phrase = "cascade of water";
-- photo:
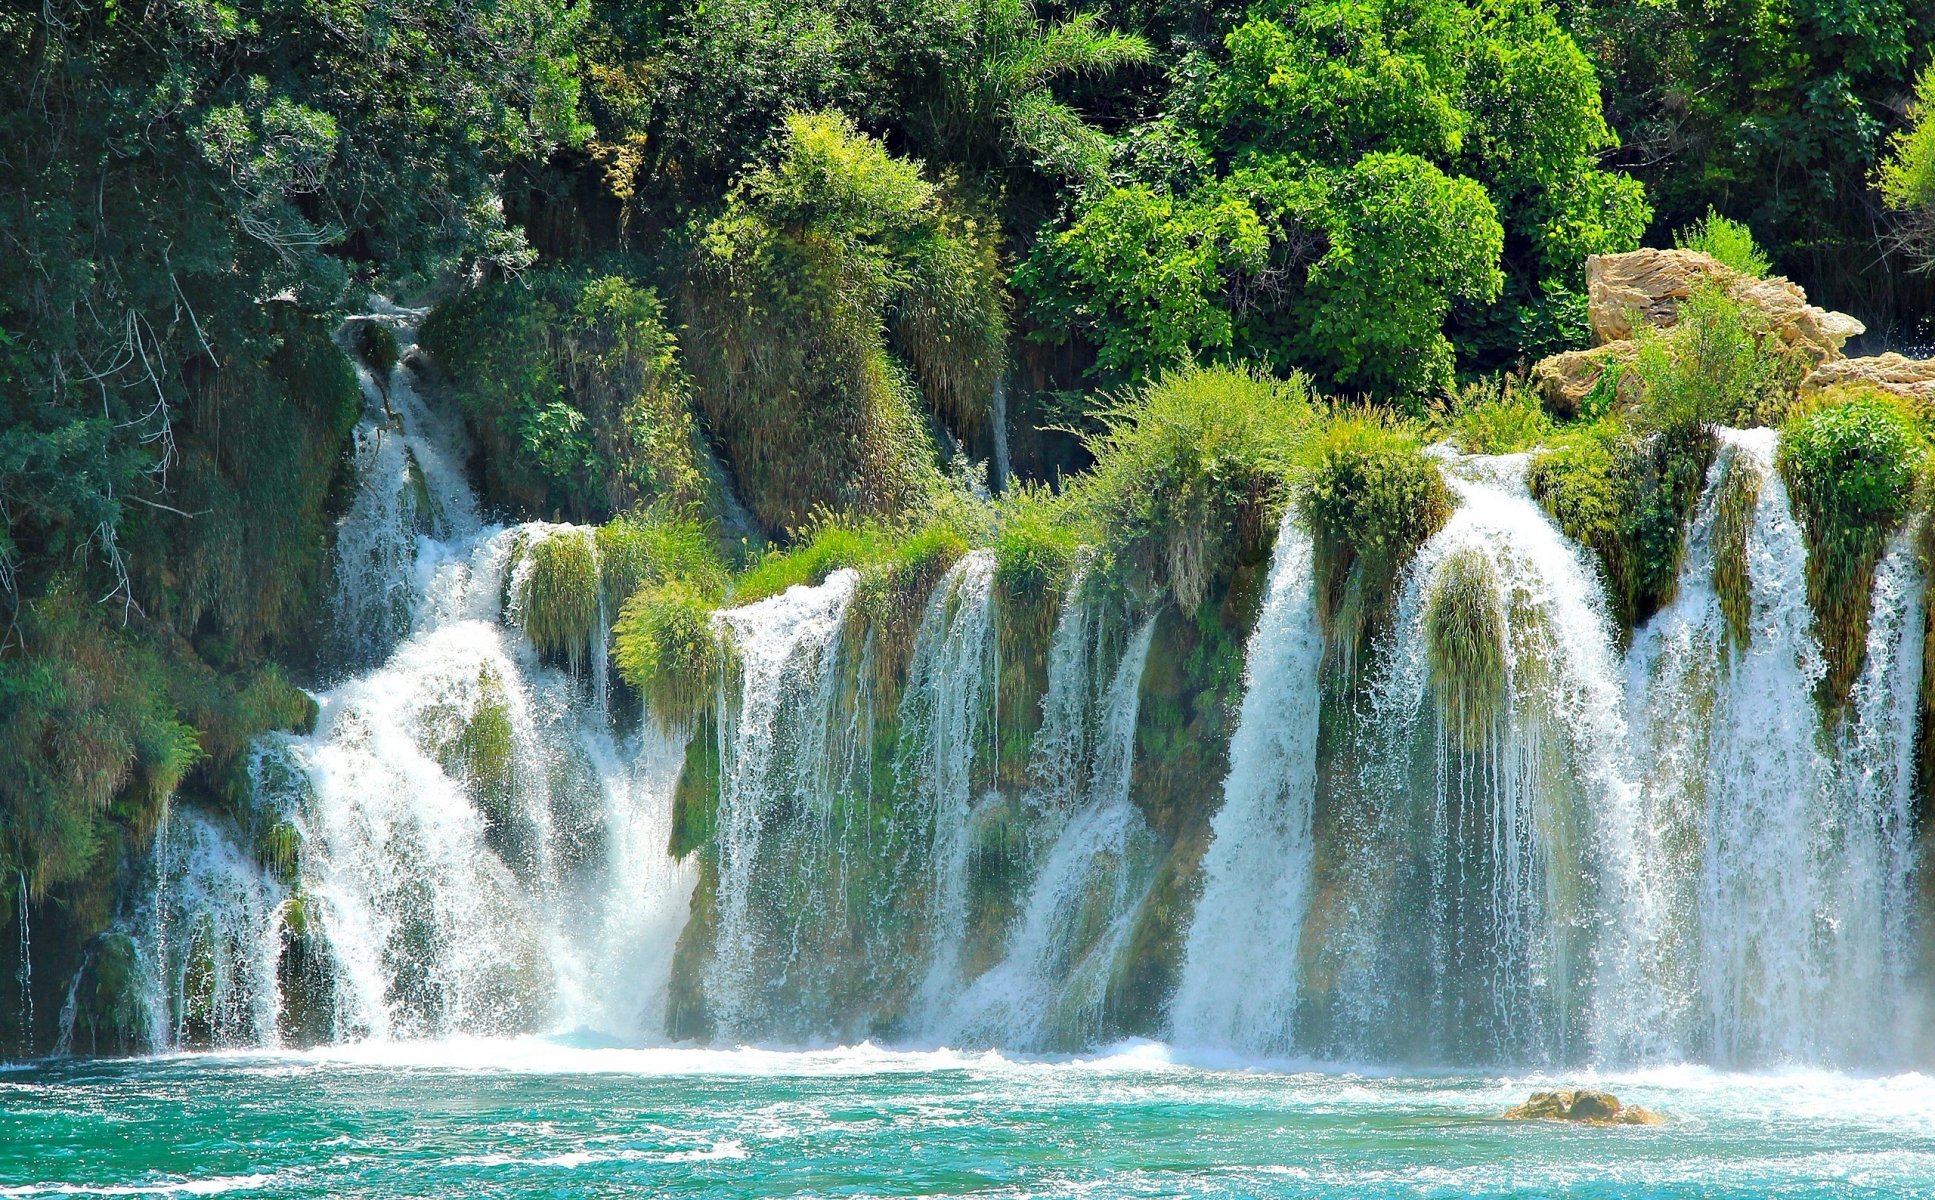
(640, 905)
(1238, 987)
(1488, 747)
(24, 974)
(214, 927)
(472, 851)
(410, 487)
(779, 766)
(1049, 987)
(947, 726)
(1774, 876)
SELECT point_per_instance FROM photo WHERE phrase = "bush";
(1720, 365)
(1499, 415)
(1731, 242)
(1907, 175)
(376, 346)
(1850, 461)
(1189, 474)
(572, 381)
(1371, 498)
(788, 292)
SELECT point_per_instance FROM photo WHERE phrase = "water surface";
(537, 1118)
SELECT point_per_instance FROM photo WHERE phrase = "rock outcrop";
(1910, 378)
(1646, 287)
(1584, 1106)
(1565, 380)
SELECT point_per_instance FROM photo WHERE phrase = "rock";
(1565, 380)
(1910, 378)
(1645, 287)
(1583, 1106)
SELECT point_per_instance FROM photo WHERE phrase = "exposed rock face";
(1565, 380)
(1583, 1106)
(1911, 378)
(1645, 287)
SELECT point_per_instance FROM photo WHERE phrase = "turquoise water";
(534, 1118)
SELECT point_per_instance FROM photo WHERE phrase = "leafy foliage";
(1908, 172)
(572, 381)
(1728, 241)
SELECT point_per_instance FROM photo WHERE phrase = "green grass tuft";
(557, 600)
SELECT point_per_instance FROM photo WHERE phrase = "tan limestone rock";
(1646, 287)
(1584, 1106)
(1910, 378)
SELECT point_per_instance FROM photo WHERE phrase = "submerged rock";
(1583, 1106)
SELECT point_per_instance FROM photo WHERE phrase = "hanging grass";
(668, 651)
(1371, 497)
(1627, 496)
(1850, 460)
(654, 547)
(1733, 520)
(557, 600)
(1465, 639)
(1190, 473)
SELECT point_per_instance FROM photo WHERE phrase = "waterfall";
(24, 973)
(1048, 989)
(466, 843)
(211, 936)
(946, 727)
(1239, 982)
(784, 764)
(1486, 750)
(1774, 880)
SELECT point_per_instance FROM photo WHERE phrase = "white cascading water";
(779, 739)
(1048, 989)
(1497, 849)
(209, 940)
(1771, 872)
(947, 727)
(1238, 988)
(467, 827)
(1460, 932)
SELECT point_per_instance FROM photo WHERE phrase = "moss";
(276, 848)
(557, 601)
(1733, 520)
(1628, 497)
(1850, 460)
(484, 751)
(1371, 497)
(669, 652)
(1465, 639)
